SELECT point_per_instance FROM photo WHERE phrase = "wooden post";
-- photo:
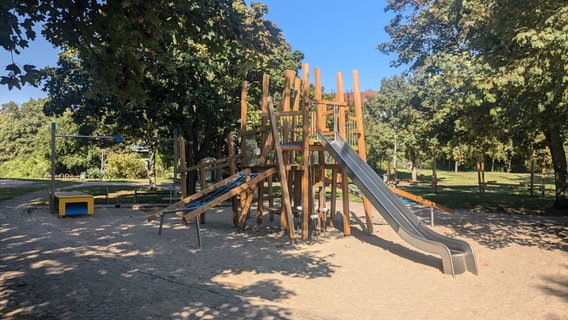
(244, 106)
(321, 108)
(183, 168)
(295, 107)
(176, 158)
(260, 203)
(232, 171)
(265, 139)
(285, 106)
(322, 198)
(361, 143)
(203, 182)
(247, 196)
(333, 205)
(340, 97)
(306, 210)
(479, 183)
(434, 175)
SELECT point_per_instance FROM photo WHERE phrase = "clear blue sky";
(334, 35)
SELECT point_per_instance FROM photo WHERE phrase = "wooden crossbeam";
(416, 198)
(328, 102)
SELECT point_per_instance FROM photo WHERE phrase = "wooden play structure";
(313, 143)
(288, 140)
(285, 142)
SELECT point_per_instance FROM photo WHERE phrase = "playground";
(111, 264)
(237, 249)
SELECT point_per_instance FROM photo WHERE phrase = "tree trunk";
(151, 170)
(556, 147)
(414, 171)
(388, 170)
(434, 175)
(456, 166)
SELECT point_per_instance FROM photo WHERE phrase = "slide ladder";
(457, 255)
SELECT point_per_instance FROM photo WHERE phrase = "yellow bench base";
(74, 203)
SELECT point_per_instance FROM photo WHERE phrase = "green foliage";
(19, 128)
(185, 71)
(492, 78)
(128, 165)
(25, 143)
(28, 167)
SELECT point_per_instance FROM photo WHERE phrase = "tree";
(186, 74)
(510, 72)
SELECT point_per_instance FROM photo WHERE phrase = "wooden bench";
(74, 203)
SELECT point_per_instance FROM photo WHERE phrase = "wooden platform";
(74, 203)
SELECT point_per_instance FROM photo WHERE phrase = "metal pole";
(102, 163)
(52, 194)
(198, 232)
(176, 157)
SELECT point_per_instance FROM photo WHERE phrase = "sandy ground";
(114, 265)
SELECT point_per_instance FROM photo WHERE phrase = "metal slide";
(457, 255)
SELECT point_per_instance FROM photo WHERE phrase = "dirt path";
(113, 265)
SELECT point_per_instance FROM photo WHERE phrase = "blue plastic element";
(407, 202)
(118, 138)
(76, 208)
(219, 191)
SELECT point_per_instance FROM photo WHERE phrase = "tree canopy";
(148, 67)
(499, 66)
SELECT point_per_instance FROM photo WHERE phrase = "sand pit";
(113, 265)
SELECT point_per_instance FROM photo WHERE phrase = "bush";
(125, 166)
(28, 168)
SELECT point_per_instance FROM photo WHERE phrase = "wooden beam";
(265, 137)
(282, 173)
(419, 199)
(232, 171)
(345, 198)
(361, 143)
(328, 102)
(333, 208)
(244, 112)
(246, 201)
(260, 203)
(306, 210)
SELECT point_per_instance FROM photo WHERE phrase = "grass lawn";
(459, 191)
(510, 192)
